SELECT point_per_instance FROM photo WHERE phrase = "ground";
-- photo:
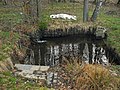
(10, 82)
(11, 24)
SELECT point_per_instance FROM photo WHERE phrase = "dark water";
(55, 50)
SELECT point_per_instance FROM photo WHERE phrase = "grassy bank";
(108, 17)
(7, 43)
(12, 20)
(9, 82)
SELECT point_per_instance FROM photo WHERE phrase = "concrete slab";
(44, 68)
(35, 67)
(24, 67)
(27, 71)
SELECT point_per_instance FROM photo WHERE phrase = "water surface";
(55, 50)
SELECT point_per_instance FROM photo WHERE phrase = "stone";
(31, 71)
(54, 81)
(100, 32)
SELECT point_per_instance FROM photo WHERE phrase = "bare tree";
(96, 10)
(85, 11)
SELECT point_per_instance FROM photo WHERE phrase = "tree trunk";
(85, 11)
(37, 4)
(96, 11)
(118, 2)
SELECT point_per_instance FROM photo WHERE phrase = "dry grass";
(89, 77)
(6, 65)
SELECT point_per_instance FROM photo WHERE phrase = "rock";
(31, 71)
(55, 75)
(54, 81)
(100, 32)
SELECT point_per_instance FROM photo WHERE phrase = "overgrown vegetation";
(7, 43)
(77, 76)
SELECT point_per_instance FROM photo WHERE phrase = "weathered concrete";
(31, 71)
(37, 73)
(31, 68)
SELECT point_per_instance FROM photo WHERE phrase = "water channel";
(53, 51)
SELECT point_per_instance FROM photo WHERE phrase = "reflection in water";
(53, 52)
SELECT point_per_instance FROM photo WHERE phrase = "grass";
(68, 8)
(114, 39)
(97, 76)
(9, 82)
(9, 17)
(7, 43)
(111, 21)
